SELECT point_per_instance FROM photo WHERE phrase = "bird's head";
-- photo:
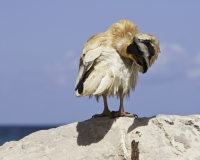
(143, 49)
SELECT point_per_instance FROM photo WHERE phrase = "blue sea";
(15, 133)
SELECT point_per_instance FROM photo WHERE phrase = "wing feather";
(87, 61)
(105, 84)
(98, 81)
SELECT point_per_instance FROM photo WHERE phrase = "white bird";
(110, 62)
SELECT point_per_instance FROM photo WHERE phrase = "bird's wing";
(94, 75)
(88, 57)
(98, 81)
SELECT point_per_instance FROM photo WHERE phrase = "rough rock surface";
(163, 137)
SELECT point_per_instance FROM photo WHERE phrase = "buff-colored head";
(122, 33)
(143, 49)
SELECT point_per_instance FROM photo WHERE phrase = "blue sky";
(40, 45)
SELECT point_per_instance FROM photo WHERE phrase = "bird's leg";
(106, 111)
(121, 112)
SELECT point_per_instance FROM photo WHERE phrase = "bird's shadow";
(138, 122)
(93, 130)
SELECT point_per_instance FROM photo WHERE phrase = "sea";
(15, 133)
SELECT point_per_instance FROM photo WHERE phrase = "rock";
(163, 137)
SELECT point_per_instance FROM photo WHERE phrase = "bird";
(110, 62)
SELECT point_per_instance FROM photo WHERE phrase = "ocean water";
(15, 133)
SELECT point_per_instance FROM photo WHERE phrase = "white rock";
(164, 137)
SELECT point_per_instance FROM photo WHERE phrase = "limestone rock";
(163, 137)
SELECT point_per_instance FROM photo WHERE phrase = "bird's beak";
(142, 61)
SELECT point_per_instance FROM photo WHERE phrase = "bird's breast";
(124, 70)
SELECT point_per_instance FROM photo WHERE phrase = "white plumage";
(110, 62)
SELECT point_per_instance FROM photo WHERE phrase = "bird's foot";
(104, 114)
(115, 114)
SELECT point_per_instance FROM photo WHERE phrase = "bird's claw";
(104, 114)
(112, 114)
(115, 114)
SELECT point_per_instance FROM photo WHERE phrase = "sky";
(40, 46)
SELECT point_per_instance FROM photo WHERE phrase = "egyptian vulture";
(110, 62)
